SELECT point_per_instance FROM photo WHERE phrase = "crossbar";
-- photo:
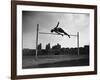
(48, 33)
(53, 33)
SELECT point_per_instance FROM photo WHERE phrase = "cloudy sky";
(70, 22)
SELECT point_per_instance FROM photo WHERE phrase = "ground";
(46, 61)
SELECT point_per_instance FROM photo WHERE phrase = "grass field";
(54, 61)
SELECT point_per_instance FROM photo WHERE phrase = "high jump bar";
(53, 33)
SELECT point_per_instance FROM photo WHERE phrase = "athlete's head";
(52, 30)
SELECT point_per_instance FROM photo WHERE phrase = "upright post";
(78, 42)
(37, 40)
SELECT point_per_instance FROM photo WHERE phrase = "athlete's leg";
(67, 34)
(59, 33)
(62, 31)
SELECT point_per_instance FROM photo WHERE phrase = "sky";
(69, 22)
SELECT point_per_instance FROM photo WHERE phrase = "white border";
(20, 71)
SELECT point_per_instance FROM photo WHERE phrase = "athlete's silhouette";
(59, 31)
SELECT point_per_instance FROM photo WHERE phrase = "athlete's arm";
(57, 25)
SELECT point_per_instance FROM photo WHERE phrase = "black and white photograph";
(55, 39)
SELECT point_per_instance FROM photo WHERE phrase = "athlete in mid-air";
(59, 31)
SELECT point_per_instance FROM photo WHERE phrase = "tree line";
(56, 50)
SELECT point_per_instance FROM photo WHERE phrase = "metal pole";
(78, 42)
(37, 40)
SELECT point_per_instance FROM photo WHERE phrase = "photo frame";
(54, 62)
